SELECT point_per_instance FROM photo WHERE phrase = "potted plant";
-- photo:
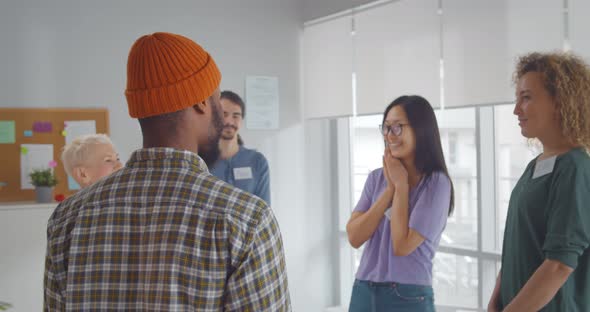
(44, 180)
(4, 306)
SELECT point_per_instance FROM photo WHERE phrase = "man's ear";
(80, 175)
(200, 107)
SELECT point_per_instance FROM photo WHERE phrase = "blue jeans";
(382, 297)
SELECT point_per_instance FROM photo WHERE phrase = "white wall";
(73, 54)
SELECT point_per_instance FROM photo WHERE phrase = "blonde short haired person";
(89, 158)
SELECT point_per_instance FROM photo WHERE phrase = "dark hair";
(236, 99)
(429, 153)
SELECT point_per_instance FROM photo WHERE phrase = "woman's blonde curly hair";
(567, 78)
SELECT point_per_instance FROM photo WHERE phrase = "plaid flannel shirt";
(162, 234)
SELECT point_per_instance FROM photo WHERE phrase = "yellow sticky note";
(64, 133)
(24, 150)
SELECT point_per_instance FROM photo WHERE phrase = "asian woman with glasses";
(402, 213)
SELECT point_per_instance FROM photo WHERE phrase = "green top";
(549, 218)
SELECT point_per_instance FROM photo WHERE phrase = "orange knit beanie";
(167, 73)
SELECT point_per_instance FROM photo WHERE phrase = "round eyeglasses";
(396, 129)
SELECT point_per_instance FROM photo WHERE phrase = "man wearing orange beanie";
(162, 233)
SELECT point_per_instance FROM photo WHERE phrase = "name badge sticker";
(243, 173)
(544, 167)
(388, 213)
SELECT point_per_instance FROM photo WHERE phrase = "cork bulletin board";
(24, 128)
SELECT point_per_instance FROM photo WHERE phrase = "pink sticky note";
(42, 126)
(52, 164)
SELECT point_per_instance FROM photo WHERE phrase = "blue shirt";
(246, 170)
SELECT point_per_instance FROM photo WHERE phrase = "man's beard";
(210, 152)
(229, 137)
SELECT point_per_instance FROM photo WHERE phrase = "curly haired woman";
(546, 254)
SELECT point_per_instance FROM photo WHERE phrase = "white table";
(23, 229)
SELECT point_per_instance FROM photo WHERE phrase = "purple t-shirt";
(428, 209)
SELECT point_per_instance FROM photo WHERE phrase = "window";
(455, 280)
(453, 148)
(457, 130)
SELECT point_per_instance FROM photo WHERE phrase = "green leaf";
(43, 177)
